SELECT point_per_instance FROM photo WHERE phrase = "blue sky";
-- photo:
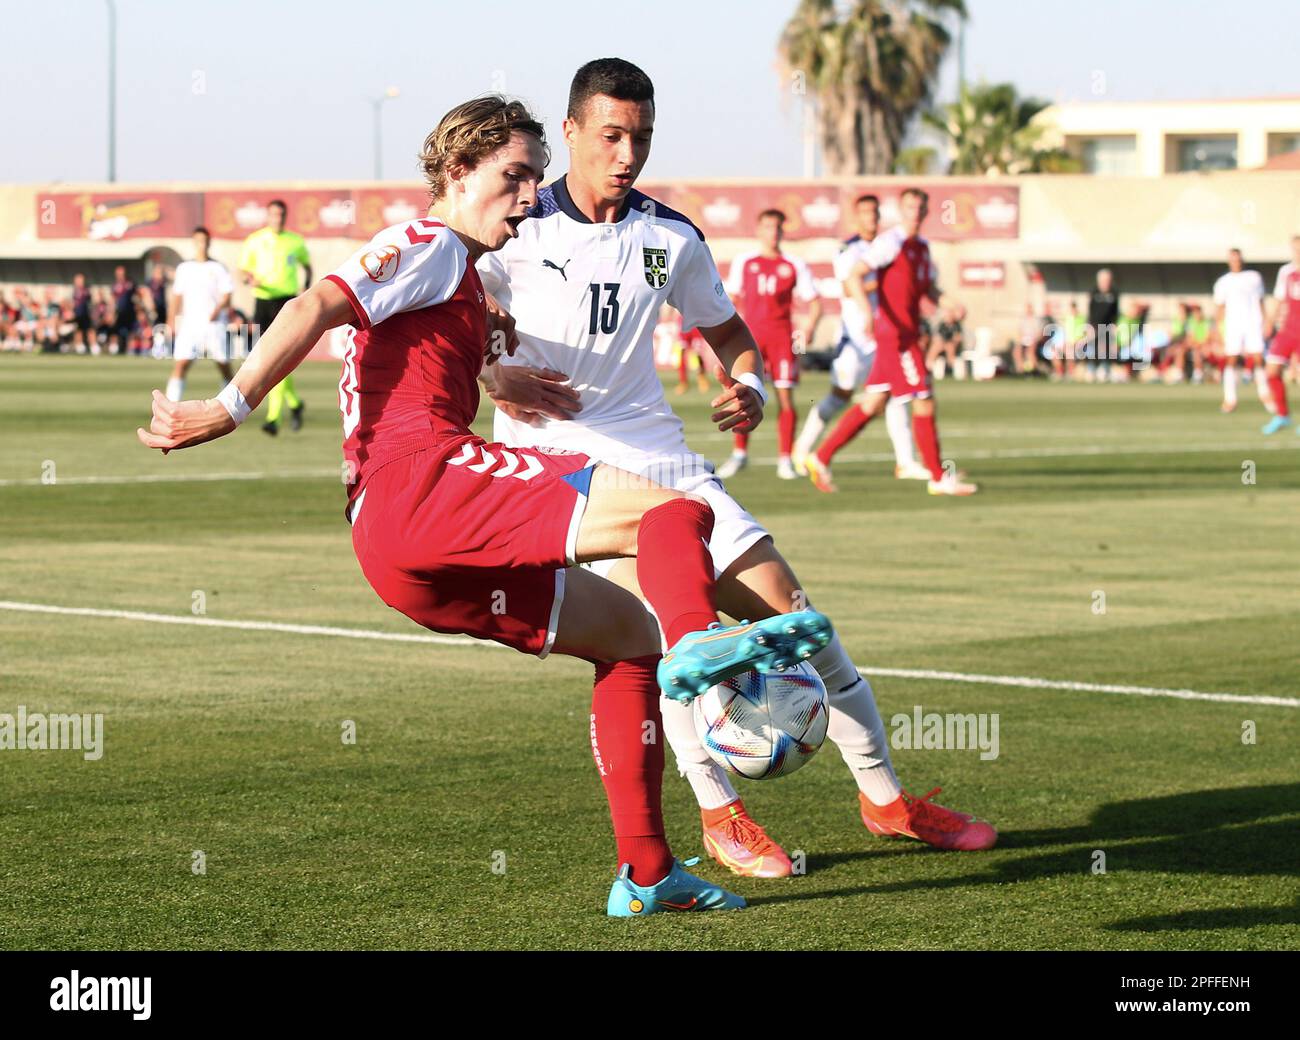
(243, 90)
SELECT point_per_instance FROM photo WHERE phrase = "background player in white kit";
(857, 349)
(1239, 302)
(200, 295)
(584, 283)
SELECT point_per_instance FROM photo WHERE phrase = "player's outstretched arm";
(740, 406)
(302, 322)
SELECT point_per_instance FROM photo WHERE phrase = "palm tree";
(870, 68)
(989, 131)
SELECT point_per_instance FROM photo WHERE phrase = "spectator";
(1025, 355)
(947, 339)
(123, 312)
(82, 314)
(1103, 318)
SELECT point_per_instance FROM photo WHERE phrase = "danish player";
(1239, 310)
(625, 254)
(767, 283)
(445, 525)
(906, 277)
(857, 350)
(200, 295)
(1284, 316)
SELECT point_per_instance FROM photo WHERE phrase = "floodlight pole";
(112, 91)
(377, 104)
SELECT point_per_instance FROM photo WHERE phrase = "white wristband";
(234, 403)
(754, 383)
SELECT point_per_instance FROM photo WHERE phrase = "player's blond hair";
(469, 133)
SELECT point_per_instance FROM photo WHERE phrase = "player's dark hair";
(469, 133)
(278, 202)
(873, 199)
(774, 214)
(922, 195)
(612, 77)
(204, 231)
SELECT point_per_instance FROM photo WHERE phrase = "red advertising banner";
(111, 216)
(959, 210)
(976, 274)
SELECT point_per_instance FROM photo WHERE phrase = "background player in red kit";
(450, 529)
(766, 282)
(906, 277)
(1284, 315)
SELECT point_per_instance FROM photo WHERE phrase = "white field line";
(443, 640)
(993, 453)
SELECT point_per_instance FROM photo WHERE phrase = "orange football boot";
(744, 848)
(911, 817)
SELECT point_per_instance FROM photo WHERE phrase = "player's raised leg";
(668, 533)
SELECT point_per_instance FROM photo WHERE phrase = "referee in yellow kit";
(269, 262)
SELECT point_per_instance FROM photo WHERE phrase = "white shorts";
(852, 364)
(1238, 341)
(201, 341)
(734, 529)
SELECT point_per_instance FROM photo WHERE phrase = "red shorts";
(899, 367)
(1285, 346)
(463, 544)
(779, 358)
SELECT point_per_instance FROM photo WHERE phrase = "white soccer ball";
(763, 726)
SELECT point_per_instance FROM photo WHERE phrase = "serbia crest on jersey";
(586, 298)
(410, 372)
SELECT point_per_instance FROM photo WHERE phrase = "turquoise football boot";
(1276, 424)
(703, 659)
(679, 891)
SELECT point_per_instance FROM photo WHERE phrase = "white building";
(1153, 138)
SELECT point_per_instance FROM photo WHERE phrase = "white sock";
(898, 421)
(855, 724)
(815, 425)
(1229, 384)
(708, 780)
(1261, 385)
(175, 389)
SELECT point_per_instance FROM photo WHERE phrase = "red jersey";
(1288, 289)
(410, 372)
(767, 287)
(906, 275)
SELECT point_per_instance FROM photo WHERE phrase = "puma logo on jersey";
(553, 267)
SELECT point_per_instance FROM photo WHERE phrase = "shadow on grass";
(1227, 831)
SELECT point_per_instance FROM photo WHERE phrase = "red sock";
(927, 439)
(1278, 389)
(785, 424)
(625, 698)
(848, 428)
(674, 568)
(682, 366)
(740, 441)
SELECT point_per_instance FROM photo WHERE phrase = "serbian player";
(444, 525)
(1239, 303)
(857, 350)
(636, 252)
(1285, 317)
(200, 295)
(905, 272)
(767, 283)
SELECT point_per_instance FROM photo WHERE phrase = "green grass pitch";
(229, 741)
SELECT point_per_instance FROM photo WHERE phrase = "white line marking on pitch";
(442, 640)
(167, 478)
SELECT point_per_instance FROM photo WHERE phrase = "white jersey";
(854, 252)
(585, 298)
(1241, 294)
(201, 285)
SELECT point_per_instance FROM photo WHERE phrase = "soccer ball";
(763, 726)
